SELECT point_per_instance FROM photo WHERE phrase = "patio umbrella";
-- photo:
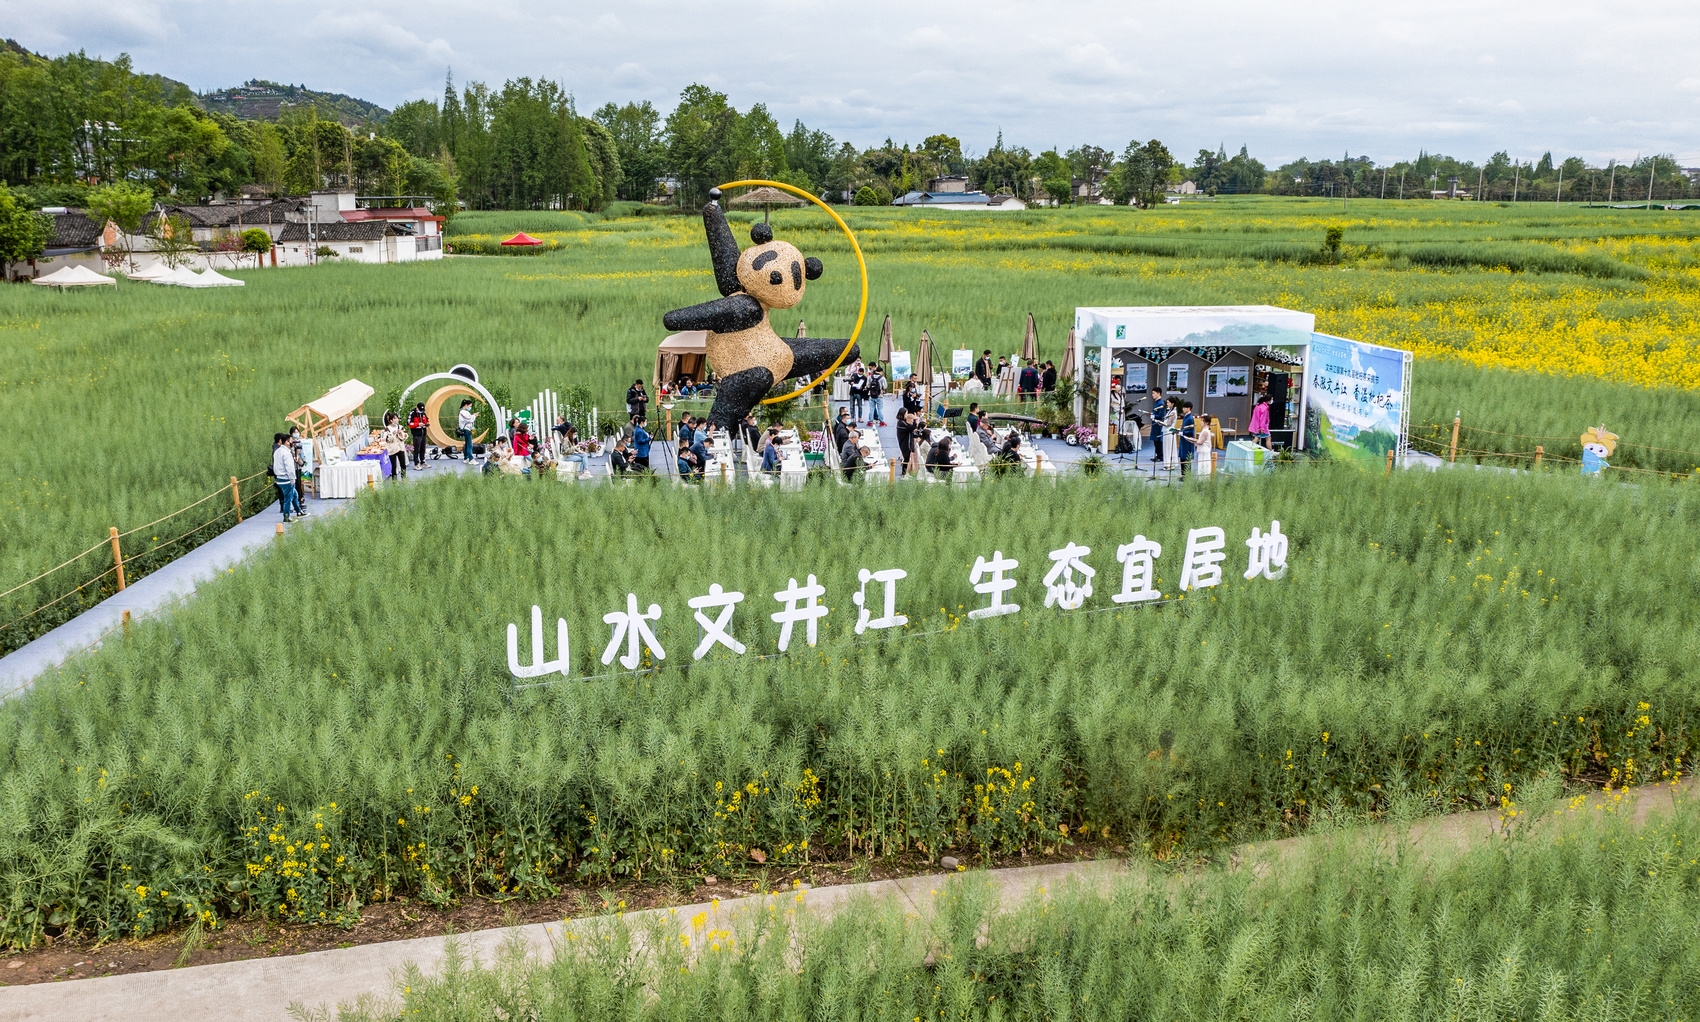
(523, 238)
(1066, 370)
(885, 341)
(925, 369)
(766, 197)
(1030, 341)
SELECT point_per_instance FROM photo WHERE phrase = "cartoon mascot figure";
(747, 355)
(1597, 445)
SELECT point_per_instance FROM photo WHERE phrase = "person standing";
(1206, 447)
(417, 423)
(911, 400)
(1259, 425)
(1171, 434)
(395, 445)
(465, 423)
(1188, 435)
(876, 390)
(1048, 378)
(858, 384)
(1027, 386)
(1158, 407)
(906, 423)
(983, 371)
(283, 474)
(637, 399)
(640, 443)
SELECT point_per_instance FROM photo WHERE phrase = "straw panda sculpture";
(748, 357)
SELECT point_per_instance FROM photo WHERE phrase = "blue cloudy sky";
(1288, 79)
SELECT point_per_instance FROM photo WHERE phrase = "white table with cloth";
(346, 478)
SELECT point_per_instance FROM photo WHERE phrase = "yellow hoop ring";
(861, 264)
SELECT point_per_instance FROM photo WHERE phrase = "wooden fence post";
(1452, 454)
(236, 498)
(117, 557)
(126, 622)
(1539, 450)
(892, 463)
(1389, 471)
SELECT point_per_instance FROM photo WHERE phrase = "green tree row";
(71, 122)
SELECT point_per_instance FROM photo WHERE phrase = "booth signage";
(1362, 396)
(961, 363)
(1067, 581)
(901, 368)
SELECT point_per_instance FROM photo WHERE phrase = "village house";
(76, 240)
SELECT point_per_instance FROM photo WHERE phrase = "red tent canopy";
(522, 238)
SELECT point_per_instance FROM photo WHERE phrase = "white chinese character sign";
(1068, 584)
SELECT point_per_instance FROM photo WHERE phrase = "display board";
(1361, 394)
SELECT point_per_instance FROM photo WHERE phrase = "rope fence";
(125, 567)
(1569, 440)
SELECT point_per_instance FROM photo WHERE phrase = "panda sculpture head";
(773, 272)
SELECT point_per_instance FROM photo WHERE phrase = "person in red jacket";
(417, 421)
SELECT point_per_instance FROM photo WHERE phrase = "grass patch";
(335, 724)
(178, 390)
(1589, 921)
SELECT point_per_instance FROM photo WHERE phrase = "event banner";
(901, 369)
(962, 363)
(1361, 394)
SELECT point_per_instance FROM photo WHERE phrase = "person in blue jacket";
(640, 443)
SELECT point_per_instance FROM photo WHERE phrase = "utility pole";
(1517, 170)
(1560, 191)
(1384, 182)
(1481, 179)
(1652, 175)
(1401, 184)
(1611, 184)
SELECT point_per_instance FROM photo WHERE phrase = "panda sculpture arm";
(723, 315)
(722, 247)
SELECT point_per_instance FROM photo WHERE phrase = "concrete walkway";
(264, 989)
(164, 588)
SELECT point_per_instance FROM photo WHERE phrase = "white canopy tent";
(73, 276)
(182, 275)
(152, 271)
(212, 278)
(1157, 333)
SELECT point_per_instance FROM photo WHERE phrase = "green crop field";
(1533, 321)
(1592, 920)
(336, 724)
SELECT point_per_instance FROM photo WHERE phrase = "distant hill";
(171, 90)
(266, 101)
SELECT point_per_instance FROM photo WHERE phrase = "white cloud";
(1247, 72)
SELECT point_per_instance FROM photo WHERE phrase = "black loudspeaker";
(1278, 384)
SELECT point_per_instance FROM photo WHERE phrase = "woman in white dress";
(1171, 435)
(1204, 450)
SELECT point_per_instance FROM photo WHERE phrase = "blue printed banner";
(1361, 395)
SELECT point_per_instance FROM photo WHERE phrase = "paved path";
(161, 589)
(263, 989)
